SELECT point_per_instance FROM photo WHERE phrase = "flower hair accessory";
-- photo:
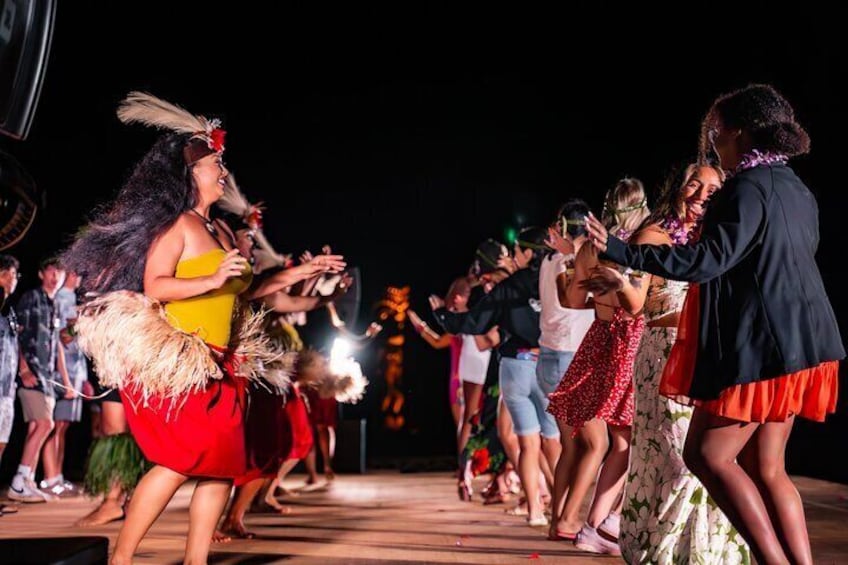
(235, 202)
(641, 204)
(206, 136)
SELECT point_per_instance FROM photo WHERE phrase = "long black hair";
(110, 252)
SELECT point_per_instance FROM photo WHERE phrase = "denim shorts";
(524, 399)
(551, 367)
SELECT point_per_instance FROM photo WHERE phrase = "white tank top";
(562, 328)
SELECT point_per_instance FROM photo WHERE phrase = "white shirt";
(562, 328)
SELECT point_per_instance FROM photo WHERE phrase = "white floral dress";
(668, 517)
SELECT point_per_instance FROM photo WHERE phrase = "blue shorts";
(524, 399)
(551, 367)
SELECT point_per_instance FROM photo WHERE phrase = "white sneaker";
(28, 493)
(537, 521)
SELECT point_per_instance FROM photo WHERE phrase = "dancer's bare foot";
(272, 502)
(330, 475)
(108, 511)
(220, 537)
(237, 529)
(312, 479)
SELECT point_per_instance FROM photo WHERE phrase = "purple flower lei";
(756, 158)
(622, 234)
(674, 227)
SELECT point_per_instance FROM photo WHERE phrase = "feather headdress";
(235, 202)
(206, 136)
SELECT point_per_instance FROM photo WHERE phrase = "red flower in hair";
(254, 218)
(216, 139)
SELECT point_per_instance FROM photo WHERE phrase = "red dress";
(599, 381)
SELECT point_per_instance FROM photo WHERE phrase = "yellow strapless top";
(209, 315)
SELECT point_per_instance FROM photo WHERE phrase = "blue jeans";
(524, 399)
(551, 367)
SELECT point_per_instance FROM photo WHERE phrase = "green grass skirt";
(114, 460)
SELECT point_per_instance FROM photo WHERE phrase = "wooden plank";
(389, 517)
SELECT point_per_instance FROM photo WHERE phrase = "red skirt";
(322, 411)
(599, 380)
(202, 438)
(268, 435)
(278, 429)
(299, 426)
(810, 393)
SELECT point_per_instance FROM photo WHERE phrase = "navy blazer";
(764, 310)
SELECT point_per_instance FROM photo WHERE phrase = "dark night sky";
(404, 139)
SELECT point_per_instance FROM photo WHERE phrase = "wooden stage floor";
(388, 517)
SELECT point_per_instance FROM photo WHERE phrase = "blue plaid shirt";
(39, 337)
(66, 305)
(8, 353)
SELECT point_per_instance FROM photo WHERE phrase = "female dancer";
(177, 380)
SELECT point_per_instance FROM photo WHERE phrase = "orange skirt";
(809, 393)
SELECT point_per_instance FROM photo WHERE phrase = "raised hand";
(233, 265)
(507, 263)
(598, 234)
(603, 279)
(326, 264)
(342, 287)
(373, 329)
(436, 302)
(557, 242)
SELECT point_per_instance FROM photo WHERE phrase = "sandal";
(559, 535)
